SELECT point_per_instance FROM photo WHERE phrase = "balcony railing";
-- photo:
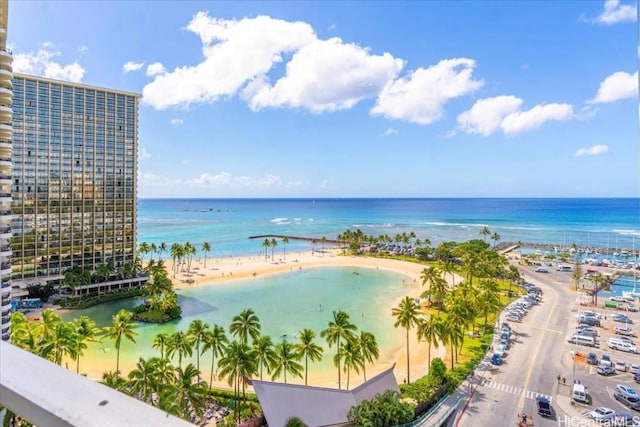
(46, 394)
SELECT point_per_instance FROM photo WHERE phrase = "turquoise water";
(227, 224)
(285, 303)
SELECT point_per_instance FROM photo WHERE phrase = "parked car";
(544, 406)
(626, 390)
(626, 331)
(621, 366)
(636, 378)
(601, 414)
(496, 359)
(632, 307)
(624, 420)
(513, 318)
(634, 369)
(592, 359)
(589, 320)
(621, 318)
(501, 350)
(629, 401)
(542, 270)
(605, 370)
(606, 360)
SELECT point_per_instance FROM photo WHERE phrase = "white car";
(634, 369)
(601, 414)
(621, 366)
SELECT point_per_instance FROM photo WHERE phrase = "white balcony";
(46, 394)
(6, 56)
(6, 74)
(6, 95)
(5, 306)
(5, 234)
(6, 251)
(5, 109)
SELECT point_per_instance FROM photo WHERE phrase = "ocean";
(311, 295)
(228, 224)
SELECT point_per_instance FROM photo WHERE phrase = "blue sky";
(359, 99)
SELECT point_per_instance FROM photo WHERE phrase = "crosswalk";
(518, 391)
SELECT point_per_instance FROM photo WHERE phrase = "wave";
(279, 220)
(627, 232)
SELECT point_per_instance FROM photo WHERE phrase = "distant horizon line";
(399, 198)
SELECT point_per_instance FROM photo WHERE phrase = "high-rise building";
(73, 184)
(6, 96)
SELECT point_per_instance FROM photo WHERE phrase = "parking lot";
(616, 345)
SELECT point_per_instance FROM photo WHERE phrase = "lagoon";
(285, 304)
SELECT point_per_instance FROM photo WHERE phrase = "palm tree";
(148, 377)
(190, 395)
(495, 237)
(338, 328)
(214, 340)
(369, 349)
(237, 362)
(162, 247)
(182, 343)
(177, 252)
(351, 356)
(485, 232)
(144, 249)
(86, 331)
(265, 354)
(431, 331)
(161, 341)
(285, 242)
(488, 299)
(286, 361)
(63, 340)
(308, 349)
(406, 315)
(245, 325)
(266, 244)
(153, 249)
(122, 327)
(197, 330)
(206, 247)
(323, 241)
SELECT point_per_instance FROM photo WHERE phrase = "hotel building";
(73, 184)
(6, 96)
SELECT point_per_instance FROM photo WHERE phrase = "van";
(579, 393)
(616, 343)
(583, 340)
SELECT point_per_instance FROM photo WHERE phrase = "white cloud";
(155, 69)
(177, 122)
(83, 49)
(326, 75)
(592, 151)
(144, 154)
(524, 121)
(614, 12)
(234, 53)
(489, 115)
(390, 131)
(132, 66)
(41, 63)
(486, 115)
(227, 180)
(617, 86)
(420, 97)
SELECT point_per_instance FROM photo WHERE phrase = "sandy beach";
(218, 270)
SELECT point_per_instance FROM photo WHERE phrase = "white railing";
(46, 394)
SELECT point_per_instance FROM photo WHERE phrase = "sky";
(358, 99)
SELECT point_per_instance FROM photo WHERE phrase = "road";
(532, 363)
